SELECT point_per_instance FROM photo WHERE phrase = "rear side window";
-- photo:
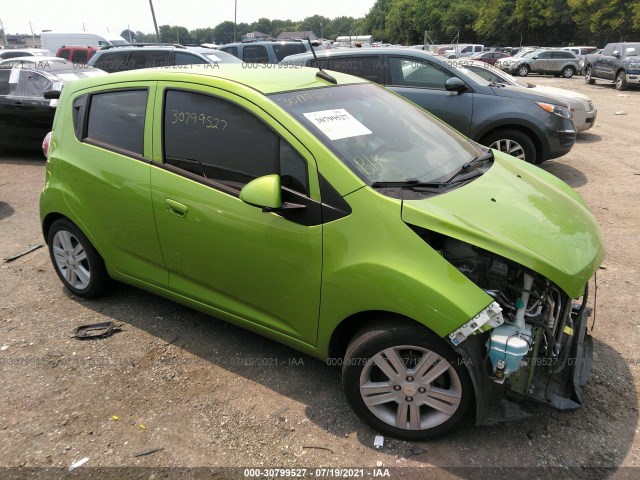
(369, 67)
(4, 81)
(112, 61)
(255, 54)
(188, 59)
(232, 50)
(64, 53)
(149, 59)
(79, 56)
(287, 49)
(116, 119)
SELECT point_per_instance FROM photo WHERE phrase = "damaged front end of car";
(531, 342)
(532, 247)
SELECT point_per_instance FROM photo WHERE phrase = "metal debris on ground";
(378, 442)
(620, 112)
(29, 249)
(148, 452)
(95, 330)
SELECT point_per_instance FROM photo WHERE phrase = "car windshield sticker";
(57, 85)
(337, 124)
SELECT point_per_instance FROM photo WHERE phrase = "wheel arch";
(540, 148)
(345, 331)
(48, 221)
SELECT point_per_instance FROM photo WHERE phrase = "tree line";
(505, 22)
(224, 32)
(491, 22)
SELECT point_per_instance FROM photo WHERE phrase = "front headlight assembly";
(556, 109)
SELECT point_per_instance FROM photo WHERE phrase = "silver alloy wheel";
(71, 259)
(567, 72)
(410, 388)
(523, 71)
(509, 146)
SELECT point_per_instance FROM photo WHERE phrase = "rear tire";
(513, 142)
(405, 382)
(621, 81)
(568, 72)
(76, 262)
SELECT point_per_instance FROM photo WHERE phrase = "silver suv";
(555, 62)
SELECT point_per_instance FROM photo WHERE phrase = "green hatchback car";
(331, 215)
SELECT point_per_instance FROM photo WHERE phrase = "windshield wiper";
(480, 159)
(409, 183)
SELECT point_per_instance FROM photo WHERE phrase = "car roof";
(35, 59)
(341, 52)
(263, 80)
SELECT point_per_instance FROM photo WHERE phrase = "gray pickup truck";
(618, 63)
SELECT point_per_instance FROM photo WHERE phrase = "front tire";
(513, 142)
(76, 262)
(621, 81)
(405, 382)
(588, 77)
(523, 70)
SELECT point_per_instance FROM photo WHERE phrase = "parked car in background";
(53, 40)
(25, 114)
(489, 57)
(266, 52)
(25, 52)
(618, 63)
(34, 62)
(438, 274)
(508, 63)
(581, 53)
(532, 127)
(461, 51)
(133, 57)
(78, 54)
(584, 111)
(547, 62)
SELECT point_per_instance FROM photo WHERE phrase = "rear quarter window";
(112, 61)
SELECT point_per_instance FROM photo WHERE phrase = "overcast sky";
(116, 15)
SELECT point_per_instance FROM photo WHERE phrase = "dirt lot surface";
(209, 394)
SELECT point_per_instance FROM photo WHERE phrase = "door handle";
(175, 208)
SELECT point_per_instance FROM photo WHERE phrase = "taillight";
(45, 144)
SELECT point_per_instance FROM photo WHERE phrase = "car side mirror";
(52, 94)
(616, 54)
(535, 57)
(454, 84)
(263, 192)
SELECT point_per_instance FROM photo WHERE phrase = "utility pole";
(4, 35)
(32, 35)
(83, 29)
(235, 20)
(155, 24)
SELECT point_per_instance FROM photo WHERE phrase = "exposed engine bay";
(533, 337)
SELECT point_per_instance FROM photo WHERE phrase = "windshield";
(380, 136)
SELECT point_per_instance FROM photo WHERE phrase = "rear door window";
(112, 61)
(255, 54)
(116, 120)
(232, 50)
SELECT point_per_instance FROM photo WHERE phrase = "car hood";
(529, 93)
(560, 93)
(522, 213)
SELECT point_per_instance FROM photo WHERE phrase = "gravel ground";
(208, 394)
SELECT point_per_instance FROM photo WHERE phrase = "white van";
(54, 40)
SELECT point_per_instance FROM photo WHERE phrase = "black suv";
(526, 125)
(115, 58)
